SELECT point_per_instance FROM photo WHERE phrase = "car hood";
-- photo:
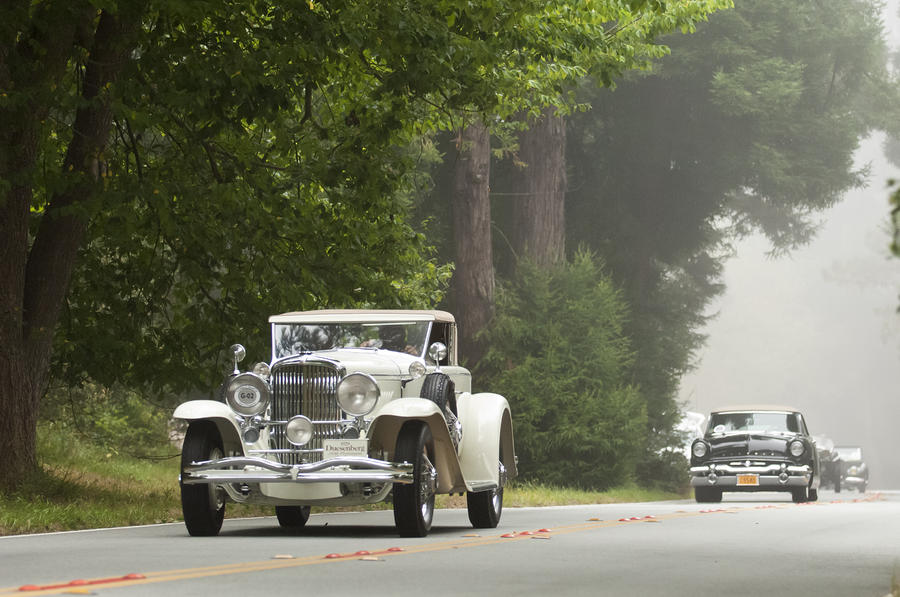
(376, 362)
(749, 444)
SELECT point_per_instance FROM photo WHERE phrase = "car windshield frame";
(404, 336)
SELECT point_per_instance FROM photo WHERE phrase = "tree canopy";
(186, 167)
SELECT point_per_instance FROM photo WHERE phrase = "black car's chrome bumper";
(243, 469)
(766, 476)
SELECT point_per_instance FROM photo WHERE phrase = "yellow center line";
(282, 563)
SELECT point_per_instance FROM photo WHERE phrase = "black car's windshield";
(294, 338)
(752, 421)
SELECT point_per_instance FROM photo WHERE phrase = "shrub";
(557, 351)
(116, 418)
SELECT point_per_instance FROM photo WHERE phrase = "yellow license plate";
(748, 479)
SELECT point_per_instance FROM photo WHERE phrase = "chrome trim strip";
(760, 470)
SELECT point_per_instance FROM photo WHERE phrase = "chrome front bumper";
(769, 476)
(249, 469)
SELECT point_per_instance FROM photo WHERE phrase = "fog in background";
(818, 329)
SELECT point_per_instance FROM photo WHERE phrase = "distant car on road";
(355, 407)
(854, 471)
(755, 448)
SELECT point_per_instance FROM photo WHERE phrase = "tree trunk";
(473, 280)
(35, 282)
(538, 218)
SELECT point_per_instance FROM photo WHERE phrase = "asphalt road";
(755, 545)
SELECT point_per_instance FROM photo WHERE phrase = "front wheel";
(799, 495)
(203, 505)
(414, 503)
(292, 517)
(707, 495)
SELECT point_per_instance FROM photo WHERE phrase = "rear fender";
(386, 426)
(218, 413)
(487, 438)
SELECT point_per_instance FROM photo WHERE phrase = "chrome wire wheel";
(427, 486)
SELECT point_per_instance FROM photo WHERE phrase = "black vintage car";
(854, 472)
(759, 448)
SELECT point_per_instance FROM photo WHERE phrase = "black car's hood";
(749, 444)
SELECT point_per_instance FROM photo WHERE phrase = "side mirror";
(438, 352)
(237, 354)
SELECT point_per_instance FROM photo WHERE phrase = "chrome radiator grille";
(305, 389)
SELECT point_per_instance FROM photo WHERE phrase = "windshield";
(849, 453)
(295, 338)
(752, 421)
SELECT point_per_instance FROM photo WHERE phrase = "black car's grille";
(305, 389)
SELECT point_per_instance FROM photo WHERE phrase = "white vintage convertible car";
(353, 406)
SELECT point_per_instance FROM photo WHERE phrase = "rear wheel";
(707, 495)
(292, 517)
(414, 503)
(203, 505)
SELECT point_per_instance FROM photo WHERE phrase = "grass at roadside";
(83, 486)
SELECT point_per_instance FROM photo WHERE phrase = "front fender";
(487, 438)
(386, 426)
(218, 413)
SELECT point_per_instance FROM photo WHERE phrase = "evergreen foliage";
(559, 354)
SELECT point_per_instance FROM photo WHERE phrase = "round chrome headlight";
(247, 394)
(262, 369)
(796, 447)
(699, 449)
(299, 430)
(358, 394)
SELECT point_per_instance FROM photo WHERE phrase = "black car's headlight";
(796, 447)
(358, 394)
(700, 448)
(247, 394)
